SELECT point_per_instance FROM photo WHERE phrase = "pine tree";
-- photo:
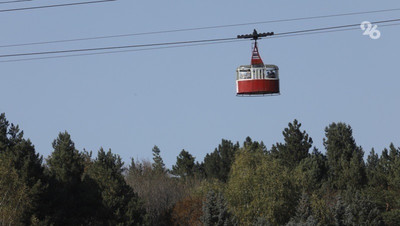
(218, 163)
(345, 158)
(360, 210)
(26, 163)
(303, 214)
(390, 164)
(339, 211)
(14, 194)
(68, 200)
(373, 171)
(296, 147)
(184, 166)
(215, 210)
(158, 164)
(121, 204)
(312, 172)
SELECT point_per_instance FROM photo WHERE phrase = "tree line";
(290, 183)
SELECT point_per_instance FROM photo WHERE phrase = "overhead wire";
(200, 28)
(185, 45)
(15, 1)
(122, 51)
(180, 42)
(53, 6)
(335, 27)
(324, 31)
(116, 47)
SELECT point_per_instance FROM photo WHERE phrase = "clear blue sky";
(184, 98)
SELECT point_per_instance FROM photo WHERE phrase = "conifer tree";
(218, 163)
(158, 164)
(14, 194)
(121, 206)
(312, 171)
(360, 210)
(345, 158)
(26, 163)
(185, 166)
(215, 210)
(70, 200)
(296, 147)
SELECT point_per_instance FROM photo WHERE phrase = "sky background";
(184, 98)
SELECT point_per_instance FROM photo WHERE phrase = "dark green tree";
(14, 194)
(251, 145)
(218, 163)
(360, 210)
(121, 206)
(303, 215)
(215, 210)
(296, 147)
(185, 166)
(390, 167)
(26, 163)
(345, 158)
(158, 164)
(70, 198)
(339, 211)
(312, 172)
(374, 172)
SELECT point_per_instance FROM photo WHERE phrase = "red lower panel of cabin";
(257, 86)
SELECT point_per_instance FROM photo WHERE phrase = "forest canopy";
(289, 183)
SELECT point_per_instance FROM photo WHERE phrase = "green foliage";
(14, 193)
(65, 164)
(312, 172)
(185, 166)
(262, 187)
(215, 210)
(259, 186)
(71, 198)
(296, 146)
(360, 210)
(121, 205)
(303, 215)
(345, 158)
(218, 163)
(26, 163)
(158, 164)
(158, 190)
(251, 145)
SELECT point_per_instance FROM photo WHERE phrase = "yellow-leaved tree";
(261, 189)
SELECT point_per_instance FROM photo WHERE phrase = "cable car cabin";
(258, 78)
(253, 80)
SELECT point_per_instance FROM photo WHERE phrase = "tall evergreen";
(14, 194)
(218, 163)
(26, 163)
(390, 167)
(360, 210)
(345, 158)
(68, 202)
(120, 205)
(185, 166)
(215, 210)
(296, 147)
(312, 172)
(158, 164)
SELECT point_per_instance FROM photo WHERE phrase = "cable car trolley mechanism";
(257, 79)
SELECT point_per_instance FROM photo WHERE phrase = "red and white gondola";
(257, 79)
